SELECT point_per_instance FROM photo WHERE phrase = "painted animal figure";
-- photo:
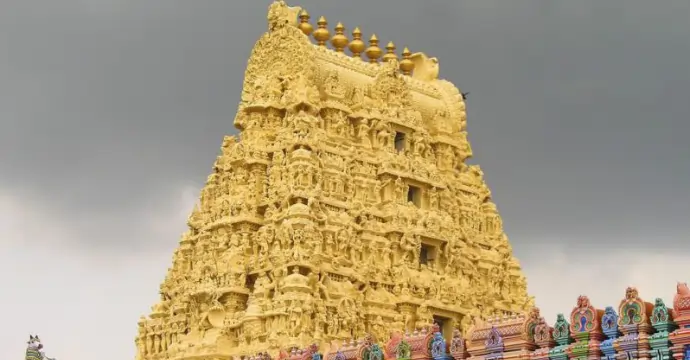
(34, 349)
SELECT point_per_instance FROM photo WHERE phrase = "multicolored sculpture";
(680, 338)
(562, 337)
(649, 333)
(609, 324)
(634, 324)
(585, 328)
(34, 349)
(662, 321)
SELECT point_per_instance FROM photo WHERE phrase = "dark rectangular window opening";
(428, 254)
(424, 254)
(399, 141)
(414, 195)
(441, 322)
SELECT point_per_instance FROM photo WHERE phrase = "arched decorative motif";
(609, 322)
(457, 345)
(392, 344)
(389, 86)
(542, 331)
(583, 318)
(531, 323)
(494, 342)
(373, 352)
(561, 330)
(660, 314)
(438, 346)
(403, 351)
(631, 309)
(285, 52)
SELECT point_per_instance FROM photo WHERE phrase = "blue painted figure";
(609, 324)
(438, 347)
(494, 345)
(374, 353)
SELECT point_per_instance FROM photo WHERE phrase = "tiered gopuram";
(343, 208)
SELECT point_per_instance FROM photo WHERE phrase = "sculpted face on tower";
(631, 293)
(425, 68)
(34, 342)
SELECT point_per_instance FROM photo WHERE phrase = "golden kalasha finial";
(373, 51)
(390, 52)
(357, 45)
(339, 40)
(304, 24)
(406, 65)
(322, 34)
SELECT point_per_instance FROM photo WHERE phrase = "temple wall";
(634, 329)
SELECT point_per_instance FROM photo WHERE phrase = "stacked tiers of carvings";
(637, 330)
(305, 232)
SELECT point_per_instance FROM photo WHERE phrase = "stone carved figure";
(281, 15)
(426, 68)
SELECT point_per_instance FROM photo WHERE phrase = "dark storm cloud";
(578, 109)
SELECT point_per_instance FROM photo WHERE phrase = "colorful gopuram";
(634, 330)
(344, 207)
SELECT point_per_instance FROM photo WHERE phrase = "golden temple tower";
(343, 207)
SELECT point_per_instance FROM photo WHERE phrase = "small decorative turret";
(390, 52)
(304, 24)
(406, 65)
(321, 35)
(374, 51)
(357, 45)
(339, 40)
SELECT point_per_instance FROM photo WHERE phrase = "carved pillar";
(408, 312)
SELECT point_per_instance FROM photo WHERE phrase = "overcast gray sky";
(112, 112)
